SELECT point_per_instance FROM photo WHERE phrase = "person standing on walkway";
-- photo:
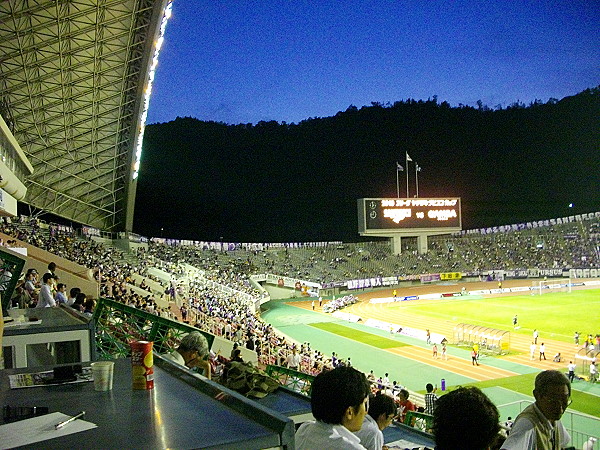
(571, 375)
(535, 336)
(474, 357)
(542, 351)
(532, 351)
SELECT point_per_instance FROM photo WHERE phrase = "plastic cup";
(102, 371)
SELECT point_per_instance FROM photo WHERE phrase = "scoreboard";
(408, 214)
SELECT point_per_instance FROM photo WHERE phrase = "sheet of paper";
(37, 429)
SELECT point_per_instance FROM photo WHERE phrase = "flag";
(408, 158)
(418, 168)
(399, 168)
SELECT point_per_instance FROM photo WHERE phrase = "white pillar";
(396, 245)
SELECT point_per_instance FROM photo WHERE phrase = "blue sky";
(246, 61)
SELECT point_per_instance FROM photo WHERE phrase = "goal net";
(555, 285)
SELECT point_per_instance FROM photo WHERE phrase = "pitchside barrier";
(490, 340)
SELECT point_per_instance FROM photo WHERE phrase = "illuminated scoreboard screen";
(396, 214)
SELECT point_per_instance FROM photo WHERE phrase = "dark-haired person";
(339, 401)
(382, 410)
(45, 297)
(430, 398)
(73, 295)
(79, 303)
(465, 419)
(404, 405)
(538, 426)
(61, 296)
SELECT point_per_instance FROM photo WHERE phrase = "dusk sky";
(247, 61)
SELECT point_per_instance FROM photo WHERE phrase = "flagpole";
(407, 195)
(417, 178)
(397, 180)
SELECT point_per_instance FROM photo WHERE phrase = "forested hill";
(295, 182)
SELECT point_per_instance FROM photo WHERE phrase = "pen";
(59, 425)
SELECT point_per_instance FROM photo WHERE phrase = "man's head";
(340, 397)
(194, 348)
(429, 387)
(382, 409)
(48, 278)
(465, 419)
(552, 393)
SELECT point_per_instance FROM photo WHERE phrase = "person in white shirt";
(571, 368)
(46, 299)
(382, 410)
(538, 426)
(293, 359)
(339, 401)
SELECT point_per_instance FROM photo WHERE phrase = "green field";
(555, 315)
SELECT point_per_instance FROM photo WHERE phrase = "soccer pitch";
(556, 314)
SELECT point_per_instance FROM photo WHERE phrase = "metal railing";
(297, 381)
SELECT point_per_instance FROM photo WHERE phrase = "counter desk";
(184, 410)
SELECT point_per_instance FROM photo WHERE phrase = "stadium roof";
(73, 78)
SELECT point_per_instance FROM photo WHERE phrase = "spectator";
(46, 299)
(192, 352)
(339, 403)
(538, 426)
(293, 359)
(382, 410)
(88, 307)
(430, 399)
(465, 419)
(73, 295)
(61, 297)
(79, 303)
(404, 405)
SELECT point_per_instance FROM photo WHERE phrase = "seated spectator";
(538, 426)
(237, 356)
(192, 352)
(88, 307)
(382, 410)
(61, 297)
(465, 419)
(30, 283)
(79, 303)
(404, 405)
(73, 295)
(21, 298)
(339, 402)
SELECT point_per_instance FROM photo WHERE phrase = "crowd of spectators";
(231, 315)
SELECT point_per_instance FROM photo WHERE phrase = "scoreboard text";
(379, 214)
